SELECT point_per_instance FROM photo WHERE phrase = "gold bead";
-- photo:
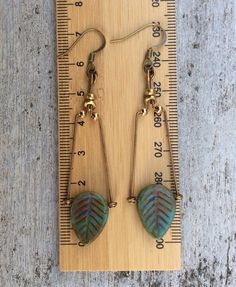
(143, 112)
(158, 110)
(178, 196)
(94, 116)
(149, 97)
(89, 104)
(112, 204)
(132, 200)
(90, 97)
(82, 114)
(68, 202)
(149, 93)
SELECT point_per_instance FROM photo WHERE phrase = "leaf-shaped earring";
(89, 210)
(156, 203)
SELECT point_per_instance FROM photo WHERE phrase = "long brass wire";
(131, 197)
(104, 151)
(177, 193)
(68, 196)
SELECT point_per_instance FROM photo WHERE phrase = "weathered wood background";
(207, 116)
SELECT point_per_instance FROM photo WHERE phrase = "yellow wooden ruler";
(123, 244)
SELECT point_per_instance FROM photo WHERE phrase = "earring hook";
(157, 25)
(103, 38)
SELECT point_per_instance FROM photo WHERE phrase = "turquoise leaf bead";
(156, 207)
(89, 214)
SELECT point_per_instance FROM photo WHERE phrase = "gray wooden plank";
(207, 114)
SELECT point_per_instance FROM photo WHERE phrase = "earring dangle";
(156, 203)
(89, 210)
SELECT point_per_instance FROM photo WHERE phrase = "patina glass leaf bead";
(89, 214)
(156, 208)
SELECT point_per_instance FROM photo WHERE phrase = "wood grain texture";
(119, 94)
(207, 109)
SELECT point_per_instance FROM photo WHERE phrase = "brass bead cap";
(149, 97)
(90, 96)
(89, 104)
(149, 92)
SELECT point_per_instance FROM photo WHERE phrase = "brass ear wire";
(81, 36)
(154, 25)
(150, 98)
(89, 102)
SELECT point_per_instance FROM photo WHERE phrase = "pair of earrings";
(156, 203)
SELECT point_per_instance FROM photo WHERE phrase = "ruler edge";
(60, 245)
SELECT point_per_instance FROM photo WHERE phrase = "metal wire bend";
(154, 24)
(103, 38)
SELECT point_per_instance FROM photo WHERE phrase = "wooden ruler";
(124, 244)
